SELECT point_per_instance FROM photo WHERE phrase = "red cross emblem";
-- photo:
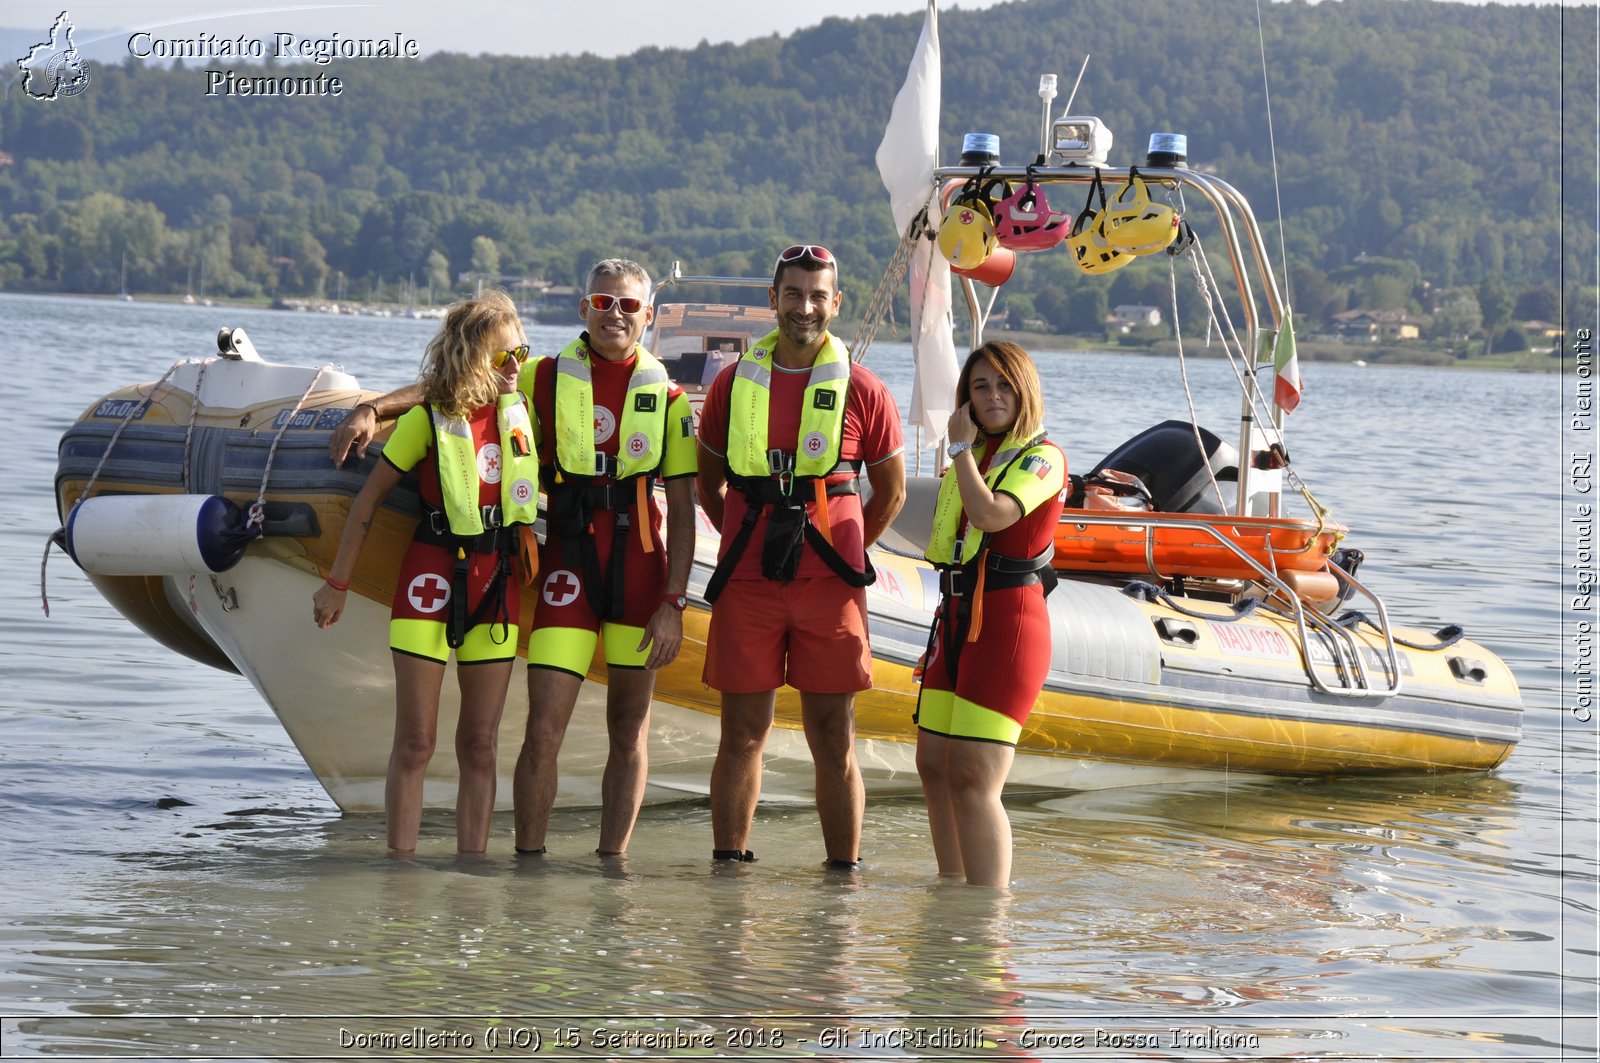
(428, 593)
(489, 459)
(966, 217)
(561, 587)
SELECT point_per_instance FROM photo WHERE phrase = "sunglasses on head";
(796, 252)
(519, 354)
(601, 303)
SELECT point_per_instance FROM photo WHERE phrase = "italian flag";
(1286, 365)
(1035, 464)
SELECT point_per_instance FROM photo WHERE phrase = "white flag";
(933, 349)
(910, 145)
(906, 158)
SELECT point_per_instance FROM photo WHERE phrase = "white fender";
(156, 535)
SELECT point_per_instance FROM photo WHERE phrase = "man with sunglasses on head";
(784, 435)
(608, 423)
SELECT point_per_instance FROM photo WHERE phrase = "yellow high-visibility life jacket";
(641, 428)
(821, 413)
(460, 471)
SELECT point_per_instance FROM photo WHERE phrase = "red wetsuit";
(417, 619)
(1004, 669)
(563, 601)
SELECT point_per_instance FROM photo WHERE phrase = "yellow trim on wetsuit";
(943, 713)
(571, 649)
(426, 638)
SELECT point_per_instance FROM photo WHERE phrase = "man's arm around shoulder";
(357, 430)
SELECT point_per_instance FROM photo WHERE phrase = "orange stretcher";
(1191, 544)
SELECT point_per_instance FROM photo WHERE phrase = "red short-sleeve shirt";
(871, 435)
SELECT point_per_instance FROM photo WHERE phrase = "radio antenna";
(1074, 93)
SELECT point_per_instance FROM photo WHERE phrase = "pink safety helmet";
(1023, 221)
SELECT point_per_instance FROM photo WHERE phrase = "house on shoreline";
(1376, 326)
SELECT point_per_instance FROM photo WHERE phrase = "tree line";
(1422, 149)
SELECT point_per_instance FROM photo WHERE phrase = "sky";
(529, 27)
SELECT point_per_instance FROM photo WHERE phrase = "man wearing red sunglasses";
(610, 423)
(784, 435)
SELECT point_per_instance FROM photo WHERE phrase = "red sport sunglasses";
(602, 303)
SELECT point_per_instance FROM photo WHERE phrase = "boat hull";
(1124, 704)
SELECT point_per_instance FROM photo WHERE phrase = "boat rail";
(1236, 222)
(675, 275)
(1351, 675)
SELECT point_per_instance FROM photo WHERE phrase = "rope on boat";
(1183, 362)
(1272, 150)
(898, 552)
(1149, 592)
(56, 538)
(883, 298)
(258, 509)
(194, 411)
(1220, 326)
(136, 411)
(1447, 636)
(59, 536)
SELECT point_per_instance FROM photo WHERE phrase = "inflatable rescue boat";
(1197, 626)
(205, 509)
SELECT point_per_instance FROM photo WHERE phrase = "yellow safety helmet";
(966, 236)
(1136, 225)
(1089, 248)
(1087, 240)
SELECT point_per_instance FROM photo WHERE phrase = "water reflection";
(1279, 892)
(1131, 909)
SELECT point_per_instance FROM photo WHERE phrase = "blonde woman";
(470, 443)
(993, 538)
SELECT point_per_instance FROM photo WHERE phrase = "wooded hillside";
(1420, 133)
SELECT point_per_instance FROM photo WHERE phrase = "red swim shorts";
(808, 633)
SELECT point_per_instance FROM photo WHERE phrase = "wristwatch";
(956, 448)
(679, 602)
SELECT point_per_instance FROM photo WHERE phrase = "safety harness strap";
(574, 503)
(784, 497)
(961, 588)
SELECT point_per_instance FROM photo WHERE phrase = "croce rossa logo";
(53, 68)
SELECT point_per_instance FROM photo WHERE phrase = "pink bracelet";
(336, 585)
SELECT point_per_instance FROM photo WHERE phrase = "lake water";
(177, 885)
